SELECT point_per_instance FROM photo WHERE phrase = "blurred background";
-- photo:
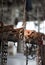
(14, 12)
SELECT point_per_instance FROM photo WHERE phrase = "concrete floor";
(19, 59)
